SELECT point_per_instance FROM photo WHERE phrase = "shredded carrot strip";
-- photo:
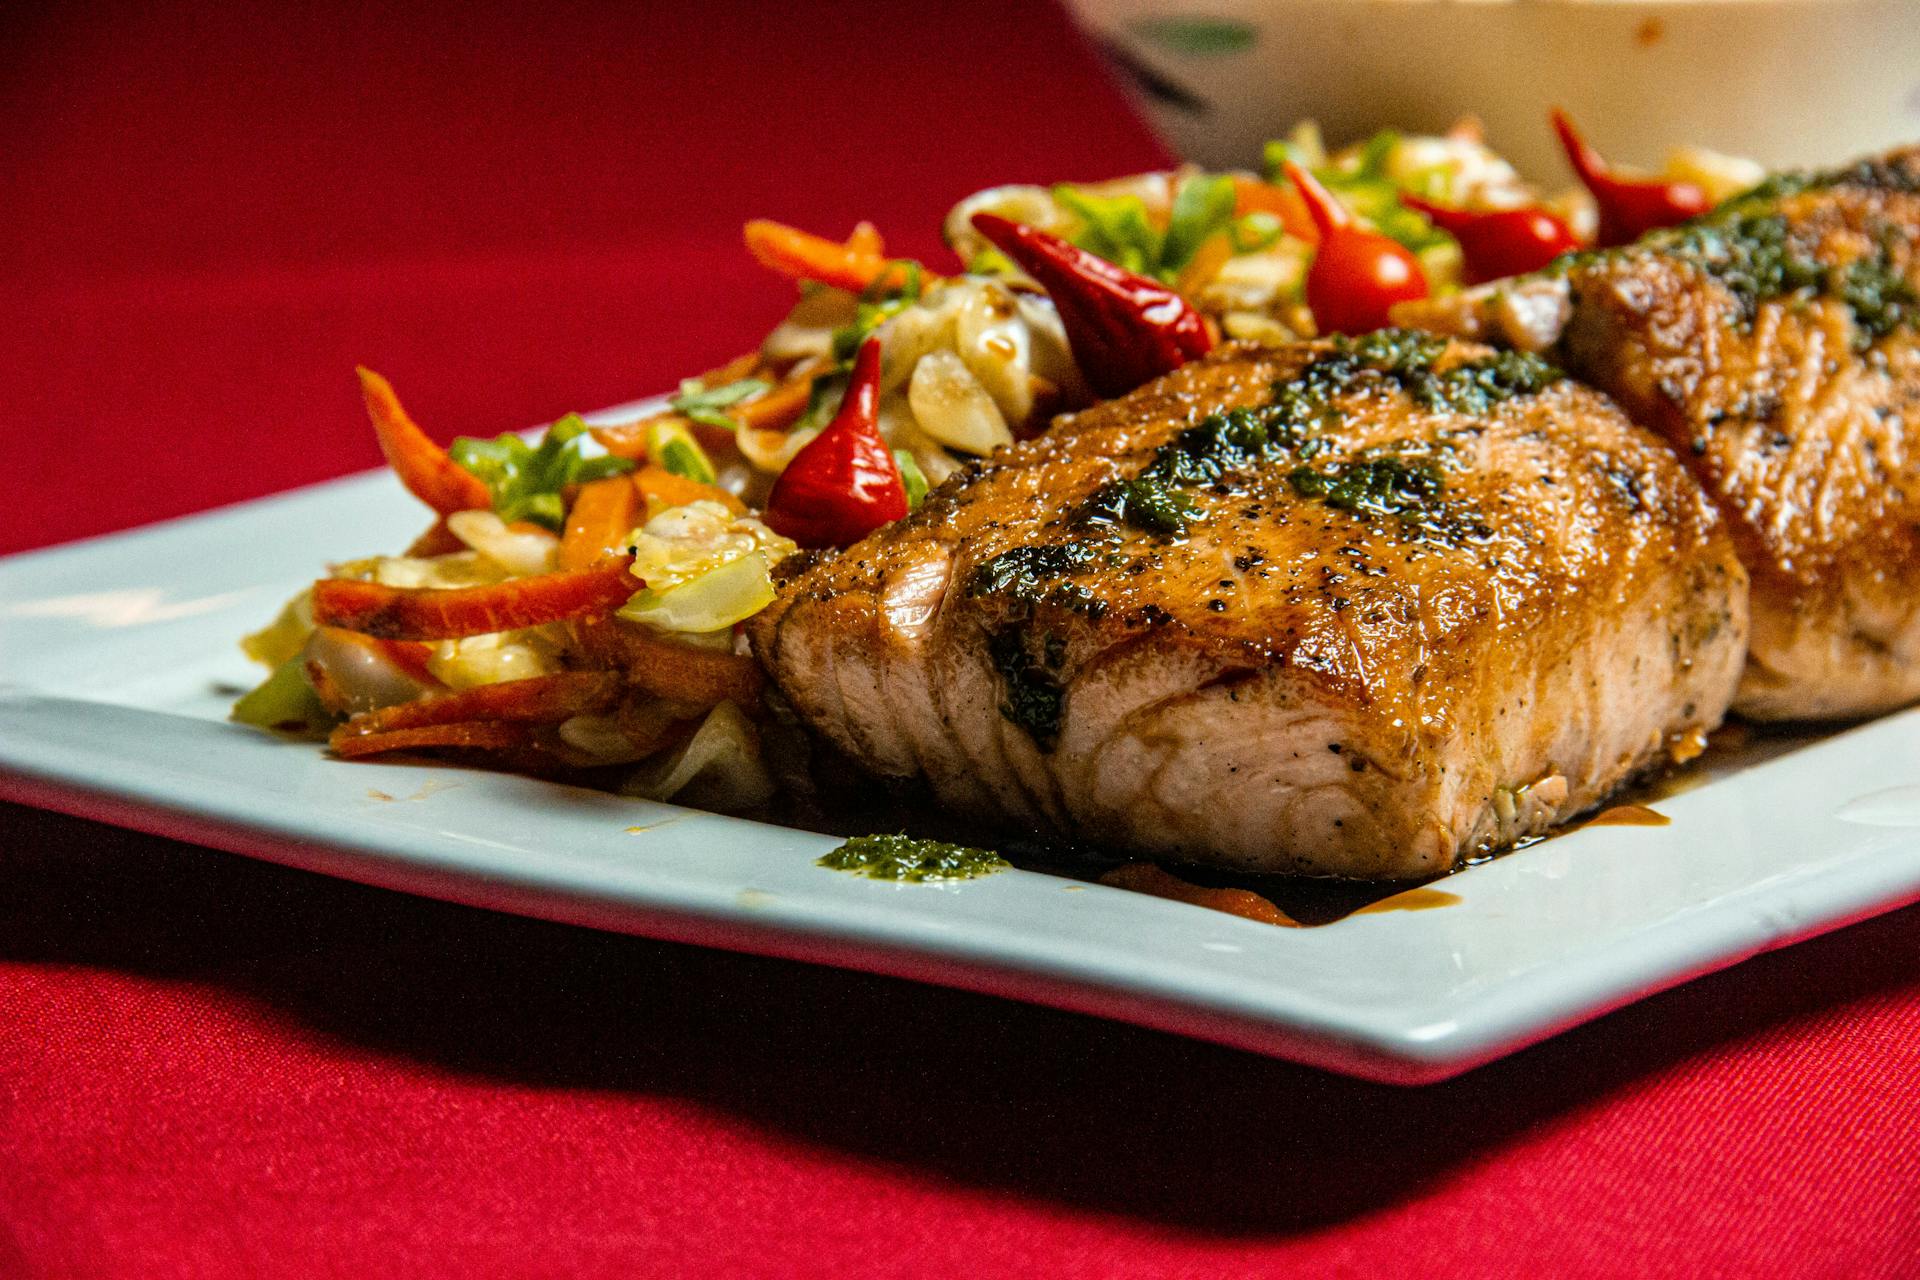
(438, 540)
(536, 700)
(659, 485)
(484, 735)
(741, 366)
(772, 410)
(423, 466)
(796, 253)
(629, 439)
(866, 239)
(1284, 203)
(602, 515)
(654, 664)
(1207, 260)
(778, 409)
(430, 613)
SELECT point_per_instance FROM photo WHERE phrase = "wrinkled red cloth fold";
(211, 1067)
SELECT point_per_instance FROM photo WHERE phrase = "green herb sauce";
(1147, 502)
(1034, 695)
(1876, 174)
(900, 857)
(1750, 247)
(1284, 428)
(1024, 572)
(1380, 486)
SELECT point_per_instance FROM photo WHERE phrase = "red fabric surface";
(212, 1067)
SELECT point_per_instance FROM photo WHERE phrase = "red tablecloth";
(212, 1067)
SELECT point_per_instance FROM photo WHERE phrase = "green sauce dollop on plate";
(905, 858)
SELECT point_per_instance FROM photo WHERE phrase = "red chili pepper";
(845, 483)
(1497, 243)
(1357, 275)
(1629, 207)
(1124, 329)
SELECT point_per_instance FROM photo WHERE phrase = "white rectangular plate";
(118, 656)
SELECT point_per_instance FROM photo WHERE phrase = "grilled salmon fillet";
(1773, 343)
(1353, 608)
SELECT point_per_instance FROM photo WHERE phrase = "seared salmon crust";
(1773, 343)
(1344, 608)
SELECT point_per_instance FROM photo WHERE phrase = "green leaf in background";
(1114, 227)
(1202, 209)
(525, 480)
(1198, 37)
(1375, 152)
(1363, 185)
(702, 405)
(991, 262)
(1118, 229)
(1256, 231)
(1275, 156)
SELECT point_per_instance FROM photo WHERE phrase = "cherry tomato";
(1497, 243)
(1357, 275)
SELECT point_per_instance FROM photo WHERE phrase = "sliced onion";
(991, 336)
(1034, 206)
(361, 670)
(935, 461)
(951, 406)
(771, 451)
(521, 552)
(494, 657)
(915, 333)
(601, 737)
(456, 569)
(807, 332)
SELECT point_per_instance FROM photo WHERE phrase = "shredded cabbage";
(285, 701)
(695, 538)
(496, 656)
(712, 601)
(286, 635)
(719, 767)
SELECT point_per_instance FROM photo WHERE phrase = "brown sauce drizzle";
(1628, 815)
(1422, 899)
(1144, 877)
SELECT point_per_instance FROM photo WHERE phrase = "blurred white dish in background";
(1787, 82)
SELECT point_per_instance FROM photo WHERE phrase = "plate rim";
(1512, 1013)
